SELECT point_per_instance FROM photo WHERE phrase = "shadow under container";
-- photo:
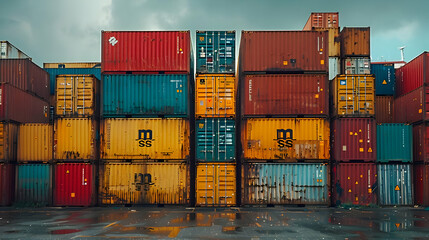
(33, 185)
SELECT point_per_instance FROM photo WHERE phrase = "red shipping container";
(421, 184)
(354, 139)
(355, 183)
(322, 20)
(284, 51)
(412, 107)
(384, 109)
(7, 184)
(421, 143)
(413, 74)
(20, 106)
(26, 75)
(285, 94)
(146, 51)
(74, 184)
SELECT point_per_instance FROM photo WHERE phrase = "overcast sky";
(70, 30)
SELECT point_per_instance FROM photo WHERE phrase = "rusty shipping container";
(355, 41)
(285, 95)
(421, 143)
(421, 184)
(35, 142)
(412, 107)
(412, 75)
(384, 109)
(352, 95)
(283, 51)
(146, 51)
(354, 139)
(356, 65)
(145, 138)
(7, 184)
(74, 184)
(7, 50)
(8, 141)
(285, 139)
(322, 20)
(334, 43)
(33, 185)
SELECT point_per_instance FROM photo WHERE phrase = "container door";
(205, 185)
(206, 140)
(84, 95)
(225, 96)
(206, 91)
(364, 99)
(64, 95)
(226, 184)
(346, 101)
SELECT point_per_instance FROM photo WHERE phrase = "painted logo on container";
(142, 181)
(113, 41)
(145, 138)
(284, 138)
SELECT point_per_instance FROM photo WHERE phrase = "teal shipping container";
(394, 143)
(33, 185)
(384, 78)
(151, 95)
(53, 72)
(215, 51)
(215, 140)
(395, 184)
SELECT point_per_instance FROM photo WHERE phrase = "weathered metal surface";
(412, 75)
(33, 185)
(355, 41)
(215, 51)
(35, 142)
(395, 184)
(322, 20)
(385, 81)
(384, 109)
(394, 143)
(8, 141)
(412, 107)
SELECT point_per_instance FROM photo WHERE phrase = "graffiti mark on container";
(142, 181)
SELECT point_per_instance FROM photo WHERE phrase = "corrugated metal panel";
(167, 51)
(412, 107)
(216, 184)
(394, 143)
(355, 41)
(269, 183)
(413, 74)
(7, 50)
(54, 72)
(8, 141)
(35, 142)
(354, 139)
(215, 51)
(285, 139)
(385, 80)
(145, 138)
(144, 183)
(145, 95)
(384, 109)
(334, 43)
(334, 67)
(421, 184)
(75, 139)
(395, 184)
(322, 20)
(7, 183)
(421, 143)
(33, 185)
(353, 95)
(356, 65)
(215, 95)
(215, 140)
(285, 95)
(68, 65)
(283, 51)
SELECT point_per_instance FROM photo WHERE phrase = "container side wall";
(35, 142)
(33, 185)
(394, 143)
(215, 51)
(395, 184)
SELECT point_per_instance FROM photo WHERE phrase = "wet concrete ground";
(213, 223)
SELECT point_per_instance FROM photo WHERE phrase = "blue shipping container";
(395, 184)
(394, 143)
(384, 79)
(33, 187)
(53, 72)
(215, 140)
(129, 95)
(215, 51)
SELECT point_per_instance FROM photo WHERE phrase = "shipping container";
(384, 109)
(215, 51)
(216, 184)
(7, 50)
(355, 41)
(334, 43)
(412, 75)
(285, 139)
(73, 65)
(285, 95)
(283, 51)
(395, 184)
(75, 139)
(145, 138)
(356, 65)
(35, 142)
(396, 64)
(394, 143)
(334, 67)
(421, 184)
(8, 141)
(145, 95)
(215, 140)
(77, 96)
(355, 183)
(322, 20)
(74, 184)
(421, 143)
(215, 95)
(144, 183)
(20, 106)
(274, 183)
(54, 72)
(354, 139)
(353, 95)
(7, 184)
(146, 51)
(33, 186)
(412, 107)
(385, 80)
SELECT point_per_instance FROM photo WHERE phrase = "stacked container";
(146, 117)
(384, 74)
(215, 132)
(284, 109)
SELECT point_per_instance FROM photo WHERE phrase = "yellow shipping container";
(8, 141)
(215, 95)
(75, 139)
(145, 138)
(216, 184)
(334, 41)
(285, 139)
(35, 142)
(353, 95)
(73, 65)
(144, 183)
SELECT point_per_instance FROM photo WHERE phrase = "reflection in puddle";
(64, 231)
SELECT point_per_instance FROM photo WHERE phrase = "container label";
(284, 138)
(145, 138)
(250, 90)
(113, 41)
(342, 82)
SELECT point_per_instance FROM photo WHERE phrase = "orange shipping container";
(8, 141)
(322, 20)
(35, 142)
(355, 42)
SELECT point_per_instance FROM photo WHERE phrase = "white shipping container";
(7, 50)
(334, 67)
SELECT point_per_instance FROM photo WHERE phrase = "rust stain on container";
(8, 141)
(35, 142)
(384, 109)
(355, 41)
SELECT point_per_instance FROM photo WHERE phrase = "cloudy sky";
(70, 31)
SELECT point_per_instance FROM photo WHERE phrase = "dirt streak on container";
(333, 40)
(7, 50)
(384, 109)
(283, 51)
(275, 183)
(322, 20)
(8, 141)
(412, 75)
(355, 41)
(421, 143)
(395, 184)
(74, 184)
(421, 184)
(285, 139)
(285, 95)
(144, 183)
(215, 184)
(412, 107)
(145, 138)
(33, 187)
(7, 183)
(146, 51)
(356, 65)
(385, 80)
(35, 142)
(394, 143)
(334, 67)
(215, 51)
